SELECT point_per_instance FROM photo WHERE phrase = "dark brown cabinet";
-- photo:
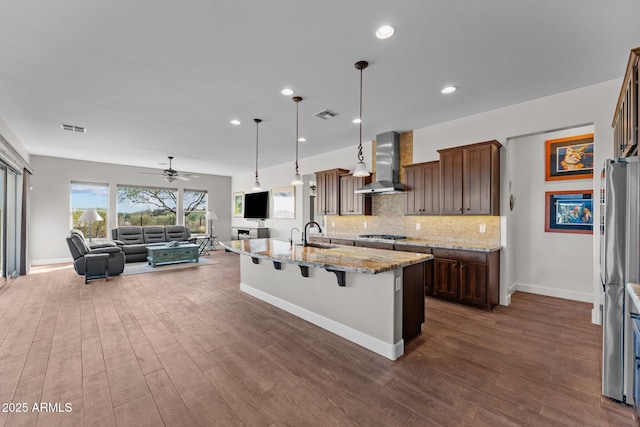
(470, 179)
(350, 202)
(627, 114)
(423, 182)
(328, 191)
(374, 245)
(467, 277)
(428, 266)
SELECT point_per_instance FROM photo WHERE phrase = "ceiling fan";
(171, 175)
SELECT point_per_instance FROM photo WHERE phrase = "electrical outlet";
(398, 284)
(483, 228)
(364, 224)
(417, 226)
(333, 223)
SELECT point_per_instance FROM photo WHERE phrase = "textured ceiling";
(155, 78)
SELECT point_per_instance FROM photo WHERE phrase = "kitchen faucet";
(304, 233)
(291, 235)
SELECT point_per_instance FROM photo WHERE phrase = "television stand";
(245, 233)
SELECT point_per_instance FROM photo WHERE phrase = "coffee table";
(163, 254)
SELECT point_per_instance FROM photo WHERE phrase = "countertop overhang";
(334, 257)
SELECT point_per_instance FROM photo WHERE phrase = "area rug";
(143, 267)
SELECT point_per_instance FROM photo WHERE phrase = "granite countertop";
(634, 293)
(336, 257)
(478, 247)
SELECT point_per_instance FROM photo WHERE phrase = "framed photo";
(569, 211)
(238, 204)
(283, 200)
(569, 158)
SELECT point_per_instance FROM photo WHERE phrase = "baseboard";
(390, 351)
(50, 261)
(553, 292)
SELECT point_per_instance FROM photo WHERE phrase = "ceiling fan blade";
(188, 175)
(182, 177)
(152, 173)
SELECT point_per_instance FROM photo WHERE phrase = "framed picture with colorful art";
(569, 158)
(569, 211)
(238, 204)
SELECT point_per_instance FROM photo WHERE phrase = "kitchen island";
(372, 297)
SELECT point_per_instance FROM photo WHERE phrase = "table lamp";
(90, 215)
(210, 216)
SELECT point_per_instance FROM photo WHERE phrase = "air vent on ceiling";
(73, 128)
(325, 114)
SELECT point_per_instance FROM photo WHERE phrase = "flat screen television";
(256, 205)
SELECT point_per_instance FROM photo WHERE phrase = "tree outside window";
(90, 196)
(195, 210)
(146, 205)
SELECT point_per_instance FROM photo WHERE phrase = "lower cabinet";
(467, 277)
(428, 266)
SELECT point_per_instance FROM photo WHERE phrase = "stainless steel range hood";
(387, 166)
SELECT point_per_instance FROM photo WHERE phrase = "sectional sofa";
(134, 239)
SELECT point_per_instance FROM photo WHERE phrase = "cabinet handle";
(468, 209)
(460, 210)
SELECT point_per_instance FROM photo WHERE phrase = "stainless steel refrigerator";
(618, 266)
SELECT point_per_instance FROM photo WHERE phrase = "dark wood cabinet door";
(346, 195)
(332, 200)
(414, 180)
(431, 188)
(473, 282)
(321, 189)
(477, 189)
(446, 278)
(423, 192)
(451, 171)
(412, 301)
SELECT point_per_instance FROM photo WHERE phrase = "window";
(85, 196)
(146, 205)
(195, 210)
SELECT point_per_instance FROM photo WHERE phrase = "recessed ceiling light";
(287, 91)
(301, 139)
(234, 122)
(385, 32)
(449, 89)
(356, 120)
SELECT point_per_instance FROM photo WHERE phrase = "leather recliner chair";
(79, 248)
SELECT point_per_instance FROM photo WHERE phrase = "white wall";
(51, 199)
(555, 264)
(592, 105)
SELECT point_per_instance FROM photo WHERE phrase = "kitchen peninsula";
(372, 297)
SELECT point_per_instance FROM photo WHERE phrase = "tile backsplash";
(388, 218)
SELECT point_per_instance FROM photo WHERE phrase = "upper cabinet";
(627, 114)
(328, 191)
(350, 202)
(423, 182)
(470, 179)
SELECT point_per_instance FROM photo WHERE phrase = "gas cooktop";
(382, 236)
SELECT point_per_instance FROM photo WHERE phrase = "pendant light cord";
(297, 102)
(360, 156)
(257, 122)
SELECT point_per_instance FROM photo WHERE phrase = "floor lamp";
(90, 216)
(210, 217)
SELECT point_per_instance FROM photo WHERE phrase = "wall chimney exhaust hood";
(387, 166)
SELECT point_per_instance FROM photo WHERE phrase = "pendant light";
(297, 179)
(361, 167)
(256, 185)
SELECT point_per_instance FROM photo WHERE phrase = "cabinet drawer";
(374, 245)
(414, 248)
(460, 255)
(347, 242)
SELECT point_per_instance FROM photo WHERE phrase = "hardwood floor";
(186, 347)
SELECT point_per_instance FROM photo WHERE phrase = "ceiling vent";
(73, 128)
(325, 114)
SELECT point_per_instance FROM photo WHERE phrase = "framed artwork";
(283, 200)
(569, 211)
(569, 158)
(238, 204)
